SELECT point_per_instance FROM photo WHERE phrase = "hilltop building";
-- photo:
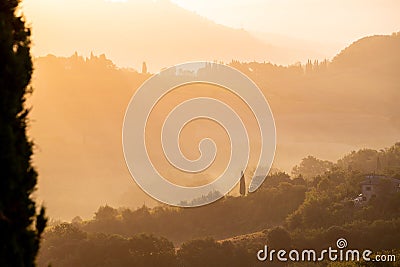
(374, 185)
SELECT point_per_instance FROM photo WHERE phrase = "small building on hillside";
(373, 185)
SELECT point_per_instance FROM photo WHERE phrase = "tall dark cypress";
(20, 225)
(242, 187)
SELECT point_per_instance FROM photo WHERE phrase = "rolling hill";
(158, 32)
(324, 109)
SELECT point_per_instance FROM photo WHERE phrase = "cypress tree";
(144, 68)
(20, 224)
(242, 187)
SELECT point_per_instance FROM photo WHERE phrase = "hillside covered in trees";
(289, 212)
(320, 108)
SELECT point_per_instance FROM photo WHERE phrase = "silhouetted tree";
(144, 68)
(310, 167)
(208, 252)
(106, 213)
(309, 66)
(363, 160)
(19, 239)
(67, 245)
(77, 220)
(242, 185)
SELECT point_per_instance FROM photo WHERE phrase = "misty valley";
(171, 133)
(315, 113)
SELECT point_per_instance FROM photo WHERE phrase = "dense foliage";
(225, 218)
(285, 213)
(19, 237)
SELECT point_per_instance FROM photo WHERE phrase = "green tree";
(364, 160)
(311, 167)
(208, 252)
(19, 238)
(148, 250)
(106, 213)
(279, 238)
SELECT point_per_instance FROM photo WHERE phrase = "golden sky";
(317, 20)
(164, 33)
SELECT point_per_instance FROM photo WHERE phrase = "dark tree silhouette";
(310, 167)
(242, 185)
(19, 239)
(208, 252)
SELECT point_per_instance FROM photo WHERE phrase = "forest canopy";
(312, 212)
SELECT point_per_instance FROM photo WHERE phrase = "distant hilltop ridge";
(161, 33)
(368, 52)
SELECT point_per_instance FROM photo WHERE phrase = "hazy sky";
(298, 29)
(339, 21)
